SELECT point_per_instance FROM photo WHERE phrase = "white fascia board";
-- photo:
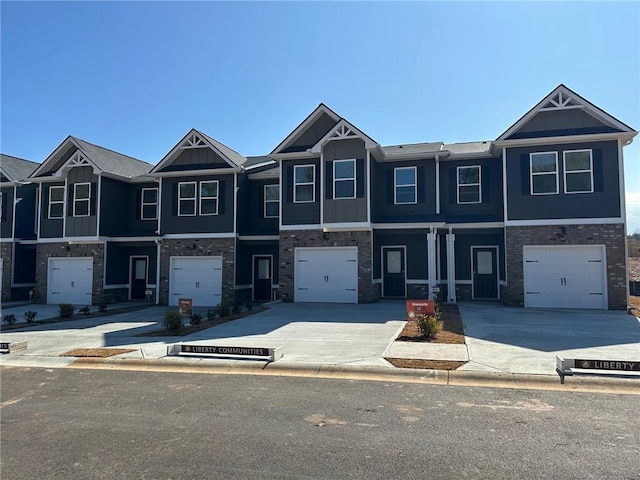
(269, 174)
(293, 156)
(406, 226)
(6, 239)
(257, 165)
(468, 226)
(257, 238)
(190, 236)
(46, 180)
(132, 239)
(346, 227)
(300, 129)
(196, 173)
(564, 221)
(592, 137)
(287, 228)
(74, 240)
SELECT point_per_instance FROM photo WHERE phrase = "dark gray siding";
(414, 240)
(49, 228)
(491, 208)
(382, 193)
(244, 262)
(221, 223)
(311, 136)
(251, 209)
(81, 226)
(475, 238)
(6, 221)
(345, 210)
(604, 202)
(61, 161)
(196, 159)
(25, 264)
(26, 212)
(118, 257)
(299, 213)
(121, 209)
(561, 122)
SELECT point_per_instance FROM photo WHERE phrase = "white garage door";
(70, 280)
(197, 278)
(326, 275)
(565, 277)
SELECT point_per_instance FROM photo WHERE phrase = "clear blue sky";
(136, 76)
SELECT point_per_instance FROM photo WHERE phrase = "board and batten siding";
(344, 210)
(603, 202)
(121, 209)
(196, 159)
(312, 134)
(49, 227)
(26, 212)
(81, 226)
(6, 221)
(251, 219)
(561, 122)
(299, 213)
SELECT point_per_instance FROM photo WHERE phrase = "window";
(344, 179)
(469, 185)
(149, 208)
(56, 202)
(271, 201)
(81, 199)
(544, 173)
(578, 171)
(405, 185)
(186, 198)
(209, 198)
(304, 183)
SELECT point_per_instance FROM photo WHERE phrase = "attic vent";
(561, 102)
(193, 141)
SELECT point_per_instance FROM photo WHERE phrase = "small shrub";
(248, 304)
(437, 307)
(102, 307)
(65, 310)
(236, 309)
(429, 325)
(85, 310)
(9, 318)
(30, 316)
(211, 314)
(172, 320)
(224, 309)
(196, 318)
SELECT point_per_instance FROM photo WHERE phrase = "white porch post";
(431, 260)
(451, 267)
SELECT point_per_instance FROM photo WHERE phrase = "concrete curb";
(374, 373)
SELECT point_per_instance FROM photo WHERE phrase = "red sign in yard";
(185, 305)
(419, 307)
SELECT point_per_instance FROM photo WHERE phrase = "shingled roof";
(16, 169)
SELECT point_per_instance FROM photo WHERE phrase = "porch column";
(451, 267)
(431, 261)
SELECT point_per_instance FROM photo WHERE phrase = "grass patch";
(96, 352)
(203, 325)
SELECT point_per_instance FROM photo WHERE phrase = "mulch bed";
(96, 352)
(203, 325)
(634, 305)
(452, 332)
(452, 328)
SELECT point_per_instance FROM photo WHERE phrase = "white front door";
(197, 278)
(70, 280)
(571, 276)
(326, 275)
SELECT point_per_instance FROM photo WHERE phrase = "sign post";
(419, 307)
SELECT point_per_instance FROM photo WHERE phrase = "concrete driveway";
(519, 340)
(309, 333)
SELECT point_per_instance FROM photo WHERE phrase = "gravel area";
(634, 268)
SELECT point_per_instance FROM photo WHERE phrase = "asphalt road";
(98, 424)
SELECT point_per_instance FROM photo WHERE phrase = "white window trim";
(75, 200)
(216, 198)
(147, 204)
(414, 185)
(64, 196)
(564, 168)
(194, 198)
(346, 179)
(313, 184)
(531, 174)
(479, 184)
(277, 201)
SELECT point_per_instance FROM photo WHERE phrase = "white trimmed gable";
(343, 130)
(322, 114)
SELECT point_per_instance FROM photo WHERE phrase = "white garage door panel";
(565, 277)
(326, 275)
(197, 278)
(70, 280)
